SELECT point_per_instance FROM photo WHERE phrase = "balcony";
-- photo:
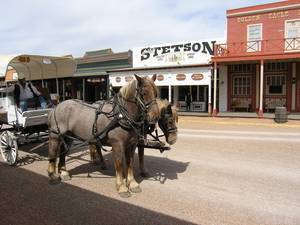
(258, 49)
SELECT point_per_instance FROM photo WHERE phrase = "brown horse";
(168, 124)
(168, 119)
(116, 124)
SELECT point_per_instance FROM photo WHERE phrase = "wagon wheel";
(9, 147)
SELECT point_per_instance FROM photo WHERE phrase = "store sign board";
(174, 54)
(175, 78)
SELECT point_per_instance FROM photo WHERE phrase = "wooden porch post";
(261, 90)
(215, 90)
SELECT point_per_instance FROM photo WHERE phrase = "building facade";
(90, 82)
(181, 68)
(258, 69)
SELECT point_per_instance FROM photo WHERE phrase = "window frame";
(253, 42)
(241, 94)
(267, 89)
(291, 44)
(285, 27)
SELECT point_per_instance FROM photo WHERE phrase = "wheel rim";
(9, 147)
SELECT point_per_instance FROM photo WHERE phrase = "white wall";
(223, 86)
(169, 76)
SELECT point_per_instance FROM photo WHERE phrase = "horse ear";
(153, 77)
(139, 79)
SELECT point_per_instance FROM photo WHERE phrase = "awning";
(38, 67)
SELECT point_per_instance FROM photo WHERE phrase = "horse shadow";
(160, 169)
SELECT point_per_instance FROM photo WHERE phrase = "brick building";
(258, 69)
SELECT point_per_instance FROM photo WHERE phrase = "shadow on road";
(159, 168)
(27, 198)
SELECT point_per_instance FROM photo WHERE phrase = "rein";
(119, 113)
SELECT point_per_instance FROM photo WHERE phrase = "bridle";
(142, 105)
(164, 122)
(142, 119)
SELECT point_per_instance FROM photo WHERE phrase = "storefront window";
(276, 84)
(241, 85)
(194, 93)
(164, 92)
(182, 90)
(79, 88)
(202, 93)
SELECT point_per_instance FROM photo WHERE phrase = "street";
(220, 171)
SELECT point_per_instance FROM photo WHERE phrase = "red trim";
(260, 114)
(215, 113)
(253, 88)
(255, 57)
(298, 87)
(263, 6)
(289, 87)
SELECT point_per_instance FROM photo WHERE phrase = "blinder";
(164, 124)
(145, 106)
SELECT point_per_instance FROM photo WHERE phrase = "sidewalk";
(291, 116)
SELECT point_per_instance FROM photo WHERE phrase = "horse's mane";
(129, 89)
(163, 104)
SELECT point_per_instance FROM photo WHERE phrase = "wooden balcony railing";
(273, 46)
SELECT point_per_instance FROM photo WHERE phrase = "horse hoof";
(125, 194)
(136, 189)
(145, 174)
(65, 178)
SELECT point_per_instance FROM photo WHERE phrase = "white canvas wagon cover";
(38, 67)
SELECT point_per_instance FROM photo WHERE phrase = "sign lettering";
(277, 15)
(248, 19)
(174, 54)
(204, 47)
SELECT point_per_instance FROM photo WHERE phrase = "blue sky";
(59, 27)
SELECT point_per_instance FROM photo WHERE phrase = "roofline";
(160, 67)
(257, 11)
(103, 58)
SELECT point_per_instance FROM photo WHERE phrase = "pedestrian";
(188, 100)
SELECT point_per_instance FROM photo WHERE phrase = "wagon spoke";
(3, 142)
(9, 147)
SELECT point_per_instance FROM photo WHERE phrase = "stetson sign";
(183, 53)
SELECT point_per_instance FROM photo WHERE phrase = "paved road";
(221, 171)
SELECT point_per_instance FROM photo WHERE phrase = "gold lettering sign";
(277, 15)
(248, 18)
